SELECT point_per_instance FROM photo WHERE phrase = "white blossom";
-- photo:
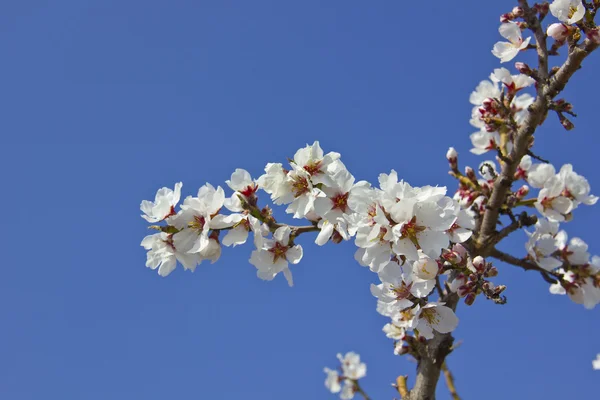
(434, 316)
(273, 255)
(484, 141)
(163, 205)
(514, 83)
(352, 368)
(332, 382)
(163, 255)
(568, 11)
(506, 51)
(312, 160)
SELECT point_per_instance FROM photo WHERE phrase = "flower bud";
(504, 18)
(594, 35)
(491, 272)
(565, 122)
(470, 173)
(452, 157)
(479, 263)
(518, 12)
(522, 192)
(558, 32)
(470, 299)
(523, 68)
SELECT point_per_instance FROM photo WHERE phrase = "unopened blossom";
(434, 316)
(484, 141)
(332, 382)
(312, 160)
(513, 83)
(558, 32)
(163, 205)
(506, 51)
(352, 368)
(568, 11)
(163, 255)
(273, 255)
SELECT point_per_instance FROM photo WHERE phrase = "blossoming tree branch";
(430, 251)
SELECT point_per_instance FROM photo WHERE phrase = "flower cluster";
(345, 381)
(569, 261)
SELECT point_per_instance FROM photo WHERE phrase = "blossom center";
(340, 202)
(430, 315)
(300, 186)
(313, 167)
(278, 251)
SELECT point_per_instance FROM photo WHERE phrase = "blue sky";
(106, 101)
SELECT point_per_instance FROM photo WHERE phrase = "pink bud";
(452, 153)
(479, 263)
(523, 68)
(558, 32)
(517, 12)
(470, 299)
(522, 192)
(594, 35)
(504, 18)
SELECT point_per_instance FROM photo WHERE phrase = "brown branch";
(358, 389)
(401, 386)
(523, 263)
(547, 90)
(434, 352)
(450, 381)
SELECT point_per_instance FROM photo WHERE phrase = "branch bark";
(434, 352)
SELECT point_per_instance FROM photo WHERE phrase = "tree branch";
(547, 90)
(401, 386)
(450, 382)
(523, 263)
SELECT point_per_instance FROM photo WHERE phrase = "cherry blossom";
(568, 11)
(332, 382)
(434, 316)
(506, 51)
(273, 255)
(352, 368)
(163, 255)
(163, 205)
(513, 83)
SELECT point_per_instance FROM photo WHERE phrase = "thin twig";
(401, 386)
(450, 381)
(523, 263)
